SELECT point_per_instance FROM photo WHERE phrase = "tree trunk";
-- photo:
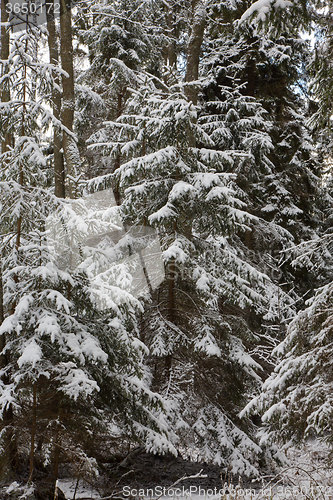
(171, 291)
(5, 91)
(115, 187)
(59, 173)
(70, 147)
(251, 76)
(33, 433)
(8, 461)
(172, 282)
(171, 49)
(194, 46)
(57, 449)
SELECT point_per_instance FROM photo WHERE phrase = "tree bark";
(194, 47)
(57, 448)
(5, 91)
(9, 458)
(172, 283)
(116, 187)
(8, 461)
(251, 76)
(59, 173)
(33, 433)
(71, 151)
(171, 49)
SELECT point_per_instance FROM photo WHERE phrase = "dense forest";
(165, 231)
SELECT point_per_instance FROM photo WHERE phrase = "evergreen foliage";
(174, 178)
(295, 402)
(72, 368)
(321, 86)
(267, 66)
(197, 116)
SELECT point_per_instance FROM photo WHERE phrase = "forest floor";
(307, 477)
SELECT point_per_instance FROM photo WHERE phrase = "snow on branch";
(262, 7)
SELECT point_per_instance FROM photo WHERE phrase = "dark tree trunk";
(33, 433)
(70, 147)
(172, 282)
(115, 187)
(59, 173)
(171, 49)
(5, 92)
(8, 462)
(194, 46)
(251, 77)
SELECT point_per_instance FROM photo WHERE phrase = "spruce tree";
(265, 63)
(295, 401)
(188, 193)
(71, 368)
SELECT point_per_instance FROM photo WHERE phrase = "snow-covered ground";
(71, 490)
(307, 477)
